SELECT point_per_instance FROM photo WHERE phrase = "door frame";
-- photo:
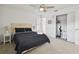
(56, 24)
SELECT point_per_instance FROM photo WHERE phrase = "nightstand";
(7, 38)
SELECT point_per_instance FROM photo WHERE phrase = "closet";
(65, 26)
(61, 26)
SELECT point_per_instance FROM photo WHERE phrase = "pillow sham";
(19, 30)
(28, 29)
(22, 29)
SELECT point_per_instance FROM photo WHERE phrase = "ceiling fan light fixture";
(41, 9)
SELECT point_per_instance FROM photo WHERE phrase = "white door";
(70, 27)
(77, 28)
(41, 25)
(44, 25)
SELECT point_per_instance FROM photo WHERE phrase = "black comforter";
(27, 40)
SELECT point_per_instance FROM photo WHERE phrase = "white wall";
(11, 13)
(1, 22)
(50, 28)
(71, 27)
(73, 23)
(15, 13)
(19, 14)
(77, 27)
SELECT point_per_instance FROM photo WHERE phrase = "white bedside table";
(7, 38)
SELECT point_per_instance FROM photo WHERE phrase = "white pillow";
(39, 33)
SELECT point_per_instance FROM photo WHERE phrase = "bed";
(25, 39)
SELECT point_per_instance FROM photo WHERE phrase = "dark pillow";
(19, 30)
(28, 29)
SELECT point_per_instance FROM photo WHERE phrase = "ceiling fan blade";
(43, 6)
(50, 7)
(55, 10)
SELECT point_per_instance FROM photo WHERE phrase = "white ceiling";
(56, 6)
(36, 6)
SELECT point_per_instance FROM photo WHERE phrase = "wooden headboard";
(19, 25)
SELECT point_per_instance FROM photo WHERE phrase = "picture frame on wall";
(49, 21)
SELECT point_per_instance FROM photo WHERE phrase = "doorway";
(61, 26)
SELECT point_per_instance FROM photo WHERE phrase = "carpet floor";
(57, 46)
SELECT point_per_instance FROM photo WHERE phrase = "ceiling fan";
(44, 7)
